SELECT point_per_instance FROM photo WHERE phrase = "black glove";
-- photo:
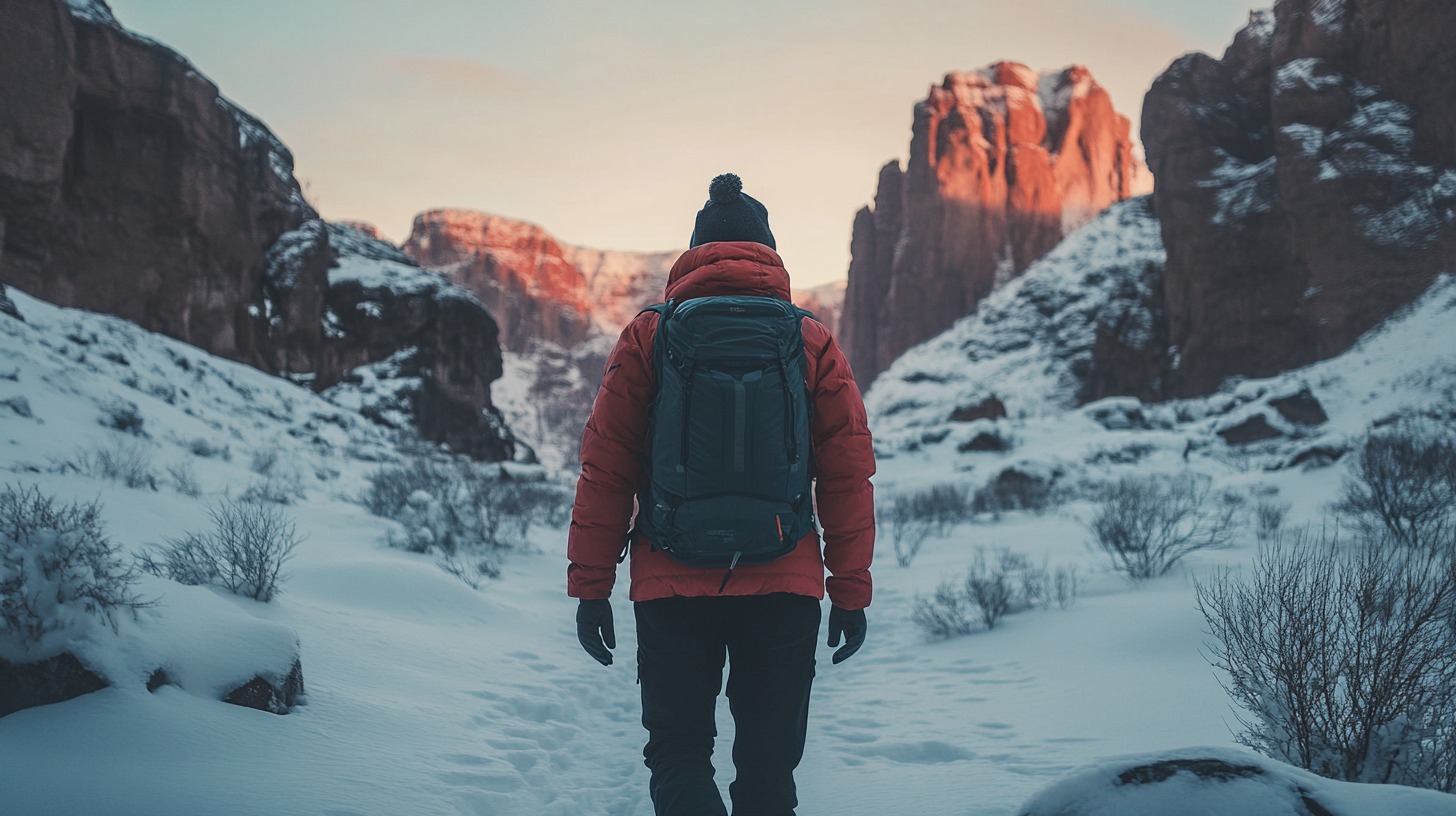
(850, 623)
(595, 630)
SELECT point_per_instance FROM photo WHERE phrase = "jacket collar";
(728, 268)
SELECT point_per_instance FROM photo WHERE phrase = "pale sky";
(604, 121)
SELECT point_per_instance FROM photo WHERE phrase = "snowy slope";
(1030, 342)
(427, 697)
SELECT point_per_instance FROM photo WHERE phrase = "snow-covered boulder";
(1219, 782)
(42, 682)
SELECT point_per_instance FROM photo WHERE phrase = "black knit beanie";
(731, 215)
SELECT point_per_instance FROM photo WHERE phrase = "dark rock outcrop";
(1306, 183)
(1301, 408)
(1316, 456)
(1003, 163)
(985, 442)
(54, 680)
(435, 341)
(274, 695)
(7, 306)
(129, 186)
(989, 408)
(1216, 780)
(1254, 429)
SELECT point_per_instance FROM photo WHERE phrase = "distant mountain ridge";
(541, 288)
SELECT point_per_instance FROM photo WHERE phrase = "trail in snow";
(425, 696)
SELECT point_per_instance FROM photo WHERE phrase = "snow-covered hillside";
(425, 696)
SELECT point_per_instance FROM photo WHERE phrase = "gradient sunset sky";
(604, 121)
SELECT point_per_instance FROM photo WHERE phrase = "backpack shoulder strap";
(659, 337)
(661, 309)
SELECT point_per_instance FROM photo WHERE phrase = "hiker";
(716, 439)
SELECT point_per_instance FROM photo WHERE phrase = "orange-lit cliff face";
(1003, 162)
(540, 288)
(518, 270)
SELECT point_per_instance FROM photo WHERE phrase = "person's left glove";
(849, 623)
(595, 630)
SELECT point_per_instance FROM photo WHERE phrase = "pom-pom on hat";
(731, 215)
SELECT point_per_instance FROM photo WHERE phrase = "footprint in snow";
(930, 752)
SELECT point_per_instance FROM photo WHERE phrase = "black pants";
(769, 641)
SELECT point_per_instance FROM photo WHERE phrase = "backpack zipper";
(789, 446)
(682, 461)
(729, 573)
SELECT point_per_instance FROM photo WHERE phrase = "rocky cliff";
(409, 349)
(518, 270)
(130, 186)
(1003, 163)
(1306, 183)
(540, 288)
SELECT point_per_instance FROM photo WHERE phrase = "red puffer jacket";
(611, 458)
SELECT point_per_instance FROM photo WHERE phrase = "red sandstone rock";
(1003, 163)
(826, 301)
(518, 270)
(1305, 183)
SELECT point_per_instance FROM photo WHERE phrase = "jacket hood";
(728, 268)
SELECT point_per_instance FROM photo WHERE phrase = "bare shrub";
(1269, 519)
(265, 460)
(201, 446)
(391, 487)
(999, 582)
(526, 504)
(1343, 660)
(184, 478)
(1401, 483)
(991, 587)
(57, 570)
(1065, 585)
(123, 460)
(122, 415)
(909, 529)
(243, 553)
(431, 523)
(1011, 491)
(461, 507)
(280, 486)
(946, 613)
(914, 516)
(472, 571)
(946, 505)
(1146, 525)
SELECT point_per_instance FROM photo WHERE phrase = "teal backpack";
(727, 458)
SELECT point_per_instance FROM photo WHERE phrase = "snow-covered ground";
(426, 697)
